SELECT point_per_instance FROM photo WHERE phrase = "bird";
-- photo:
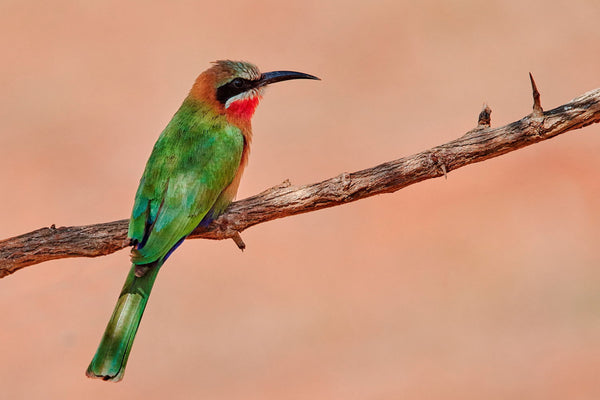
(191, 176)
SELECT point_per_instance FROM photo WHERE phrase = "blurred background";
(484, 285)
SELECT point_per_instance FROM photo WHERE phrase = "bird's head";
(234, 88)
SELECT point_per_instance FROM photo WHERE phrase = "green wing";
(193, 161)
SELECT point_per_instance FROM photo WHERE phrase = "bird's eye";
(237, 83)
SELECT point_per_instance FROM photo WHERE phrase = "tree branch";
(479, 144)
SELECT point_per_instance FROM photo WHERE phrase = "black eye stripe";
(233, 88)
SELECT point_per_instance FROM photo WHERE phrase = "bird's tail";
(111, 357)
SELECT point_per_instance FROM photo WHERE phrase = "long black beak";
(278, 76)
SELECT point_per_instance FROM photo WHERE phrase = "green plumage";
(192, 174)
(195, 158)
(112, 354)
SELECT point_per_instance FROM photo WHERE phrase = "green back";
(195, 158)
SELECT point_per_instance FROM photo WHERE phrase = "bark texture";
(479, 144)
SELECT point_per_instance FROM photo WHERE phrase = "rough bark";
(479, 144)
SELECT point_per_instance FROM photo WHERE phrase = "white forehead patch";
(240, 68)
(249, 71)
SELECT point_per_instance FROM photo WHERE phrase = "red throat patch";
(243, 109)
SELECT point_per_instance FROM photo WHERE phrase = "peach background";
(485, 285)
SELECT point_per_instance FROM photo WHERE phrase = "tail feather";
(111, 357)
